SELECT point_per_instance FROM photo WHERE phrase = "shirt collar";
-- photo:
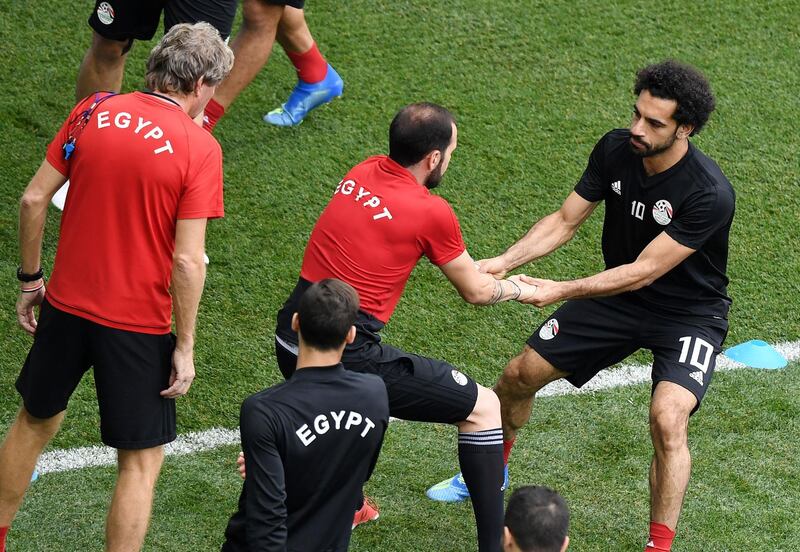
(318, 373)
(393, 167)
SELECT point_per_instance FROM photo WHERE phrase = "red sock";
(311, 66)
(213, 113)
(3, 533)
(507, 449)
(660, 538)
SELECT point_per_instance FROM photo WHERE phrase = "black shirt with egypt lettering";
(310, 444)
(692, 201)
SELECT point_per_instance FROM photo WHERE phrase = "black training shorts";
(138, 19)
(130, 370)
(420, 389)
(292, 3)
(585, 336)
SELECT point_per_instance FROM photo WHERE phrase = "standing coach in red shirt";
(145, 179)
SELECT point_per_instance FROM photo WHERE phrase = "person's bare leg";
(521, 379)
(19, 452)
(251, 47)
(129, 514)
(293, 32)
(672, 463)
(102, 67)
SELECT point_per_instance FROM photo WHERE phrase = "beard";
(435, 178)
(649, 150)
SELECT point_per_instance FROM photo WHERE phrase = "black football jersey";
(310, 444)
(692, 202)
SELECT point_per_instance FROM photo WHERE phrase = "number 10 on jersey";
(637, 209)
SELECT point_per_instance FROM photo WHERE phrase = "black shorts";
(130, 370)
(420, 389)
(585, 336)
(291, 3)
(138, 19)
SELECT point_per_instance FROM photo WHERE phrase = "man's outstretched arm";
(659, 257)
(544, 237)
(479, 288)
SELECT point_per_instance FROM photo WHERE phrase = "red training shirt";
(139, 165)
(376, 227)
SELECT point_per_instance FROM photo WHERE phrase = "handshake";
(532, 291)
(527, 289)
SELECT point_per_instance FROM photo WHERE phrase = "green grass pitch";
(533, 85)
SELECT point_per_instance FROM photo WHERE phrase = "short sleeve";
(590, 187)
(55, 151)
(700, 216)
(202, 193)
(441, 239)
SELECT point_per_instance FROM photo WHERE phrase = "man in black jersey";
(312, 441)
(668, 214)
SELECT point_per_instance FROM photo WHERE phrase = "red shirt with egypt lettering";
(374, 230)
(139, 165)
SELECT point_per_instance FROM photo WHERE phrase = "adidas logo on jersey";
(697, 376)
(616, 187)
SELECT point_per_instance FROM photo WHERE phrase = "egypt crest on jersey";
(662, 212)
(459, 378)
(105, 13)
(549, 330)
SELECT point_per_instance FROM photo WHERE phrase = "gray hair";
(186, 54)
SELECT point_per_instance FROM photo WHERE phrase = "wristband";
(32, 290)
(24, 277)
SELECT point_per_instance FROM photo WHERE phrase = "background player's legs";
(521, 379)
(102, 67)
(317, 82)
(293, 33)
(251, 46)
(19, 452)
(670, 408)
(129, 514)
(480, 455)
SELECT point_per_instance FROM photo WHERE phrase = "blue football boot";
(306, 97)
(455, 489)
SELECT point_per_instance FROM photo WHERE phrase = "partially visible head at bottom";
(537, 520)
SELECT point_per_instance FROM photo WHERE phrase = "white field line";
(623, 375)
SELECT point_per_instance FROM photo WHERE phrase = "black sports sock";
(481, 457)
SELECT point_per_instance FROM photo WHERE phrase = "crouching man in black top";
(311, 442)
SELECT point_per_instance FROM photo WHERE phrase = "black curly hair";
(673, 80)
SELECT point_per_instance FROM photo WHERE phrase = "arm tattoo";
(497, 294)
